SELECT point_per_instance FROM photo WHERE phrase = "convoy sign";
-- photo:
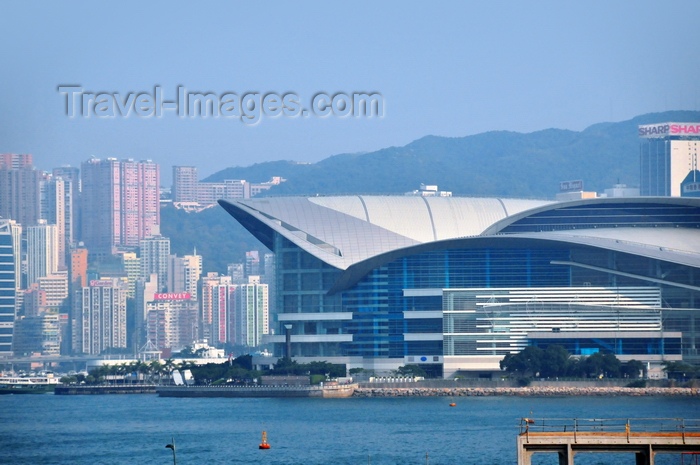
(172, 296)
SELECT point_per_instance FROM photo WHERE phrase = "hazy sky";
(452, 70)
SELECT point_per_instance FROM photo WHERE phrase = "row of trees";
(237, 371)
(556, 361)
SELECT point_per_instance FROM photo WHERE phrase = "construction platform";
(643, 437)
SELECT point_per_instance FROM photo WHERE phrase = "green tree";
(527, 362)
(412, 370)
(287, 366)
(555, 361)
(680, 370)
(632, 369)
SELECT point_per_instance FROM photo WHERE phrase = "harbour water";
(134, 429)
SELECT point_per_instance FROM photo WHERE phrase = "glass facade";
(381, 311)
(7, 288)
(349, 288)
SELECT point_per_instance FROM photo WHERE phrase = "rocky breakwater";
(415, 391)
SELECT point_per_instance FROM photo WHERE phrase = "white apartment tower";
(102, 322)
(42, 251)
(154, 254)
(252, 312)
(184, 273)
(184, 184)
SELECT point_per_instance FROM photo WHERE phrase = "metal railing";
(609, 425)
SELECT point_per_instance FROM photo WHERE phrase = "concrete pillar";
(645, 456)
(566, 456)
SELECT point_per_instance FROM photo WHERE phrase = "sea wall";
(72, 390)
(413, 391)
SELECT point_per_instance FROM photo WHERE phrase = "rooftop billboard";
(660, 130)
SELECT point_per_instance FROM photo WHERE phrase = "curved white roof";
(345, 230)
(677, 245)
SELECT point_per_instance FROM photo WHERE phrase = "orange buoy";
(264, 444)
(453, 404)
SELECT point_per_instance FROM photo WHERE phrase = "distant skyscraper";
(184, 273)
(237, 273)
(223, 313)
(171, 321)
(71, 175)
(252, 263)
(103, 316)
(56, 208)
(252, 312)
(15, 161)
(42, 251)
(132, 267)
(206, 302)
(146, 289)
(120, 203)
(153, 255)
(667, 153)
(184, 184)
(8, 276)
(20, 197)
(16, 233)
(38, 334)
(56, 288)
(78, 267)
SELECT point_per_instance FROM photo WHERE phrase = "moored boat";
(28, 385)
(324, 391)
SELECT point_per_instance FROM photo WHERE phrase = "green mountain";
(498, 163)
(218, 238)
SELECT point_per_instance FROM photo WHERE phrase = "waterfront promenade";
(531, 391)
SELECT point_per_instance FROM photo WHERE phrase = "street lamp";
(172, 447)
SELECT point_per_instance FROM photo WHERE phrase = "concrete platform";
(568, 438)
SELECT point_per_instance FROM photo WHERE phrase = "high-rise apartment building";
(206, 304)
(102, 322)
(184, 184)
(20, 197)
(57, 208)
(217, 300)
(171, 321)
(252, 263)
(78, 267)
(15, 230)
(667, 153)
(56, 288)
(146, 289)
(132, 266)
(15, 161)
(38, 334)
(223, 313)
(153, 256)
(252, 312)
(71, 176)
(42, 251)
(184, 273)
(34, 302)
(237, 273)
(120, 203)
(8, 289)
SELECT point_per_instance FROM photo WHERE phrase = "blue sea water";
(134, 429)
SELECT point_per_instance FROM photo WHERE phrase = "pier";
(643, 437)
